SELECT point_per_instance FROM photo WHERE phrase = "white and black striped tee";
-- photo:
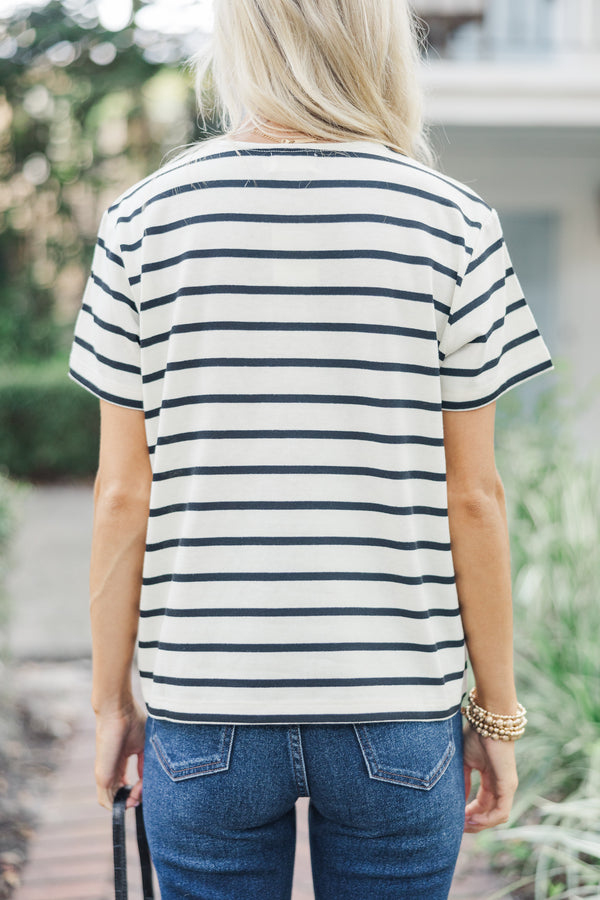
(292, 320)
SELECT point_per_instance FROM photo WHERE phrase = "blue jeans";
(386, 811)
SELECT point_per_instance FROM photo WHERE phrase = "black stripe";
(522, 376)
(483, 338)
(299, 470)
(113, 398)
(478, 301)
(114, 329)
(318, 219)
(300, 434)
(114, 257)
(244, 253)
(324, 647)
(298, 184)
(170, 403)
(298, 682)
(113, 363)
(342, 327)
(493, 363)
(187, 577)
(116, 295)
(485, 255)
(342, 718)
(289, 362)
(516, 305)
(278, 541)
(360, 328)
(441, 307)
(296, 611)
(298, 504)
(269, 289)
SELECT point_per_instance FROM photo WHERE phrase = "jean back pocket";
(414, 754)
(186, 749)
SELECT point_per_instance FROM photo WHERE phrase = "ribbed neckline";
(226, 140)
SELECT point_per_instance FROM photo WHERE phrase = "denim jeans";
(386, 809)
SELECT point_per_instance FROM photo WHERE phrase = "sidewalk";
(70, 854)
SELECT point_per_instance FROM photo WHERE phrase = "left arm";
(121, 502)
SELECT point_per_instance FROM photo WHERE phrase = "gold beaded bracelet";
(497, 727)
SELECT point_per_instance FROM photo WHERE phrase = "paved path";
(71, 852)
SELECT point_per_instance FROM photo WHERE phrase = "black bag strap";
(120, 849)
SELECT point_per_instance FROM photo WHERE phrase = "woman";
(298, 332)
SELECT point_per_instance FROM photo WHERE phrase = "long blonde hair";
(335, 70)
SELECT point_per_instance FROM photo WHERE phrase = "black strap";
(120, 850)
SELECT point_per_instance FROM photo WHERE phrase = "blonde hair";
(334, 70)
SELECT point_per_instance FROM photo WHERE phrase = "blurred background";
(94, 95)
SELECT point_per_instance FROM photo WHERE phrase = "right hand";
(496, 764)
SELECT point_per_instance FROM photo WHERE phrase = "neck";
(267, 129)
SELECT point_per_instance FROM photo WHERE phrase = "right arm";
(481, 559)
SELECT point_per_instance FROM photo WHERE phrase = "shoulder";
(449, 192)
(163, 182)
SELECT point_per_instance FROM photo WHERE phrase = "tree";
(78, 122)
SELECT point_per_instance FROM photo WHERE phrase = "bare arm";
(480, 553)
(481, 558)
(121, 501)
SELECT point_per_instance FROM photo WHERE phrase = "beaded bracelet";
(498, 727)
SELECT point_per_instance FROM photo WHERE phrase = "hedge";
(49, 425)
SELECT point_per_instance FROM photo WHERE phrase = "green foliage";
(27, 326)
(553, 499)
(80, 120)
(49, 426)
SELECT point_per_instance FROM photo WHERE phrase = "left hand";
(119, 735)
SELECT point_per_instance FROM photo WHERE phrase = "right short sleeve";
(105, 353)
(490, 342)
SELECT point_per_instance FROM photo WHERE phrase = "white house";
(513, 100)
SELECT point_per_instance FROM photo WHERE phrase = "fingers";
(106, 795)
(108, 781)
(487, 810)
(135, 797)
(117, 739)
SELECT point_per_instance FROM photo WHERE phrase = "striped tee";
(292, 320)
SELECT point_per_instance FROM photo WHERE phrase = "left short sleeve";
(490, 342)
(105, 353)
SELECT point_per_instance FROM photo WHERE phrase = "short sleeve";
(105, 353)
(490, 342)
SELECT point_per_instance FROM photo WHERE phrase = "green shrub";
(553, 499)
(49, 426)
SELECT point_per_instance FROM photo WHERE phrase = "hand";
(119, 735)
(495, 761)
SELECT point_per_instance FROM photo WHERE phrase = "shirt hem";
(92, 388)
(499, 390)
(317, 719)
